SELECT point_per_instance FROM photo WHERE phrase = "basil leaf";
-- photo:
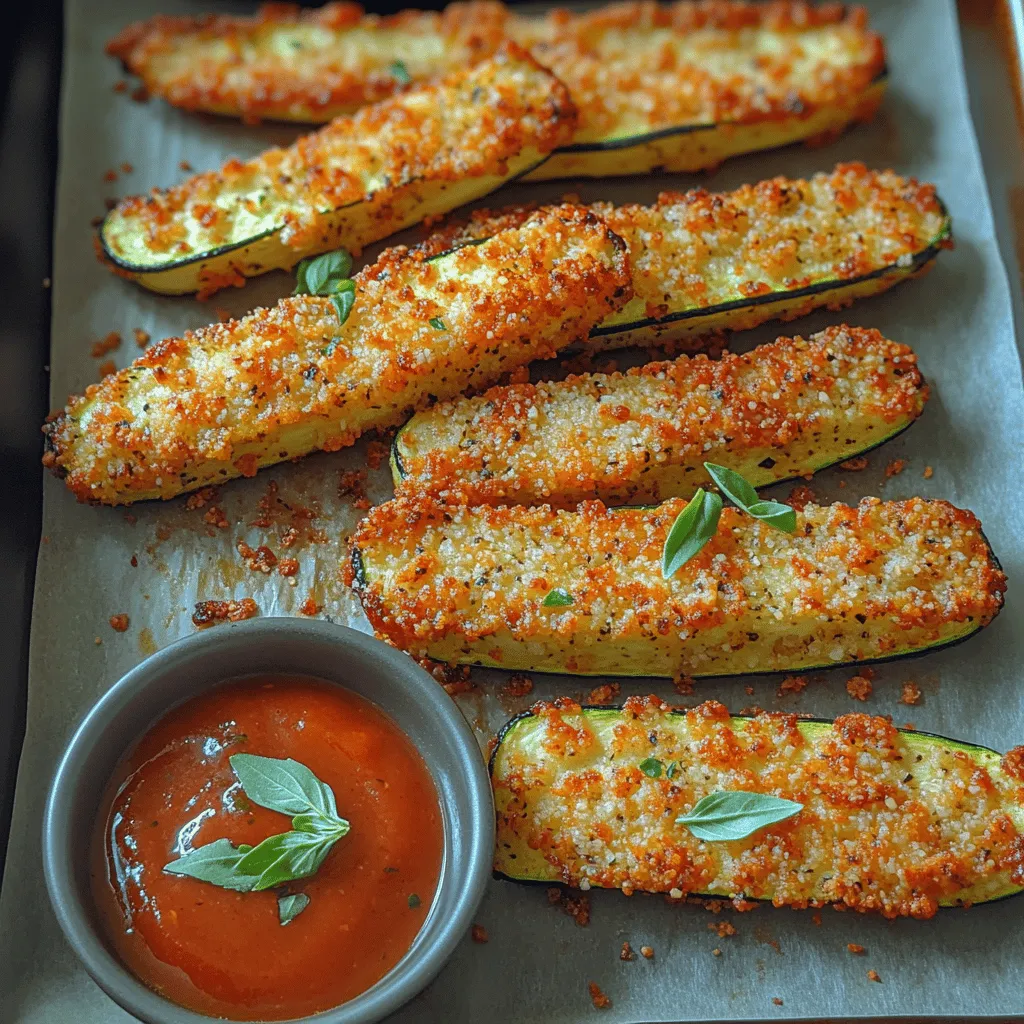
(289, 907)
(735, 814)
(321, 274)
(282, 785)
(344, 299)
(285, 858)
(651, 767)
(743, 495)
(437, 323)
(399, 72)
(216, 863)
(557, 598)
(672, 770)
(414, 901)
(693, 528)
(317, 824)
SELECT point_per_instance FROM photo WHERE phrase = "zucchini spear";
(358, 180)
(706, 262)
(467, 585)
(680, 86)
(228, 399)
(892, 820)
(780, 411)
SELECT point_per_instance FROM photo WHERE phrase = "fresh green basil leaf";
(672, 770)
(286, 857)
(774, 513)
(735, 814)
(320, 274)
(558, 598)
(693, 528)
(301, 288)
(216, 863)
(399, 72)
(414, 901)
(344, 299)
(437, 323)
(319, 825)
(651, 767)
(282, 785)
(289, 907)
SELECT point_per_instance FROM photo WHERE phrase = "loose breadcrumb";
(647, 952)
(376, 453)
(261, 559)
(518, 685)
(911, 693)
(141, 337)
(106, 369)
(723, 929)
(604, 694)
(716, 952)
(288, 567)
(859, 687)
(479, 934)
(577, 905)
(209, 613)
(791, 684)
(106, 344)
(119, 622)
(776, 1000)
(856, 948)
(874, 976)
(855, 465)
(895, 467)
(309, 606)
(597, 997)
(928, 472)
(626, 953)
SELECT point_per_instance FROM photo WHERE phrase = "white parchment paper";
(156, 562)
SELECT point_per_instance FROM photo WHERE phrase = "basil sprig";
(693, 528)
(557, 598)
(399, 72)
(735, 814)
(290, 788)
(328, 275)
(743, 495)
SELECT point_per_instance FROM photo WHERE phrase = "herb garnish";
(399, 72)
(743, 495)
(557, 598)
(735, 814)
(693, 528)
(290, 788)
(414, 901)
(328, 275)
(651, 767)
(437, 323)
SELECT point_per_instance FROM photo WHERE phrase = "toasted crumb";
(520, 375)
(683, 685)
(519, 685)
(376, 453)
(119, 622)
(791, 684)
(309, 606)
(126, 168)
(134, 561)
(288, 567)
(214, 515)
(895, 467)
(716, 952)
(647, 952)
(802, 495)
(106, 368)
(859, 687)
(748, 690)
(350, 485)
(459, 686)
(577, 906)
(200, 498)
(855, 948)
(816, 918)
(185, 166)
(604, 694)
(626, 953)
(97, 641)
(911, 693)
(909, 726)
(208, 613)
(928, 472)
(104, 345)
(141, 337)
(110, 175)
(478, 933)
(874, 976)
(723, 928)
(597, 997)
(855, 465)
(120, 86)
(776, 1000)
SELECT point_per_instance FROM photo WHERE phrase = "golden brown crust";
(227, 399)
(876, 832)
(640, 64)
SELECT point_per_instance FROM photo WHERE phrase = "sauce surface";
(225, 953)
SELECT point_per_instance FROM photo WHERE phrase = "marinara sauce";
(225, 953)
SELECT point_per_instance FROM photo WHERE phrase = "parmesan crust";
(227, 399)
(894, 822)
(632, 68)
(782, 410)
(466, 585)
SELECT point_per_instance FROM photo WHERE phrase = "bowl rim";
(462, 883)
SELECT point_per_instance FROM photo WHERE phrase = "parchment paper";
(538, 961)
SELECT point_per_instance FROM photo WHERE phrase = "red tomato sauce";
(225, 953)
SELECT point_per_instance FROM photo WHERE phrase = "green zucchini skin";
(984, 757)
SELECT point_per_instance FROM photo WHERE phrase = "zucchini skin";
(679, 86)
(229, 399)
(354, 182)
(465, 585)
(781, 411)
(708, 262)
(565, 781)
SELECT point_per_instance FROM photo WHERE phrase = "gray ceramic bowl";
(383, 675)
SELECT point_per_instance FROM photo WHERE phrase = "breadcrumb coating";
(227, 399)
(892, 822)
(466, 585)
(468, 126)
(632, 68)
(779, 411)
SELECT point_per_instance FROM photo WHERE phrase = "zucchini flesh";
(894, 821)
(231, 398)
(680, 86)
(358, 180)
(706, 262)
(780, 411)
(466, 585)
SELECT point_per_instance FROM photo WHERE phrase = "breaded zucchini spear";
(466, 585)
(228, 399)
(782, 410)
(680, 86)
(706, 261)
(358, 180)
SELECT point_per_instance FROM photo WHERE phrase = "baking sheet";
(538, 961)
